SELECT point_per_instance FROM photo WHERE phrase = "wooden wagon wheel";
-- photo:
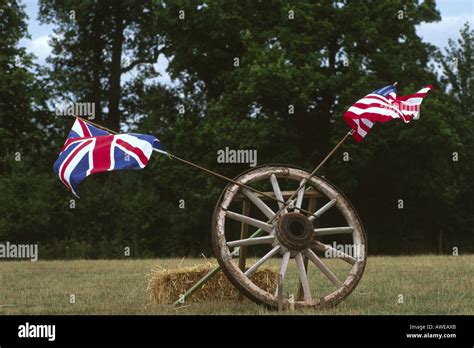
(289, 236)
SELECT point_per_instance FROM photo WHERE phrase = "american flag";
(383, 105)
(89, 150)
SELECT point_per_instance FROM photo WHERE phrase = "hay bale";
(166, 285)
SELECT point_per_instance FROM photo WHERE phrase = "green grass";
(429, 284)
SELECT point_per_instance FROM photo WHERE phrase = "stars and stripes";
(89, 150)
(382, 105)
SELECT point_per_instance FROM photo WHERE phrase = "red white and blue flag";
(89, 150)
(383, 105)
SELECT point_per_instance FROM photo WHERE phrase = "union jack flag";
(383, 105)
(89, 150)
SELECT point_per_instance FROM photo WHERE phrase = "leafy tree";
(24, 131)
(458, 79)
(458, 69)
(95, 44)
(21, 98)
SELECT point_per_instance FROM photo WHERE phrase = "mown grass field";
(429, 285)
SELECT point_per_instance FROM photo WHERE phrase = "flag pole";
(305, 181)
(331, 152)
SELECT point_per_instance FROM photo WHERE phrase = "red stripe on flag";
(377, 105)
(101, 154)
(70, 141)
(363, 125)
(71, 156)
(85, 130)
(371, 116)
(137, 151)
(357, 137)
(351, 123)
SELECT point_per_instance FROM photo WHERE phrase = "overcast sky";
(454, 13)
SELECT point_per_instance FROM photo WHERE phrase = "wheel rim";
(288, 238)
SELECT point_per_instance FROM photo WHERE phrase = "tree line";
(275, 76)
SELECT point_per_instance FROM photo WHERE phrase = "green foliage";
(458, 67)
(21, 96)
(248, 77)
(90, 39)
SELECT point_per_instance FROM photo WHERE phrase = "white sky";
(454, 14)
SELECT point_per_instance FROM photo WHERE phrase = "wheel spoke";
(303, 277)
(250, 221)
(284, 265)
(323, 209)
(251, 241)
(325, 269)
(299, 197)
(332, 230)
(335, 253)
(277, 191)
(259, 203)
(260, 262)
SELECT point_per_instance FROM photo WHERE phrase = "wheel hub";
(294, 231)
